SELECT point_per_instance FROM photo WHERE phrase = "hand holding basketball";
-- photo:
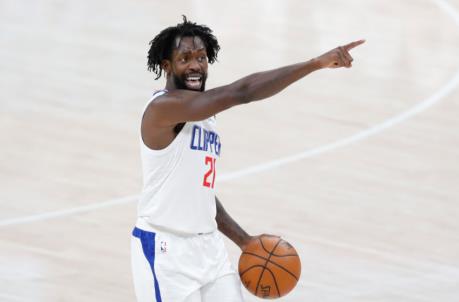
(339, 57)
(269, 266)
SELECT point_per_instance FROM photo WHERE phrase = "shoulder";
(165, 103)
(178, 94)
(157, 95)
(171, 102)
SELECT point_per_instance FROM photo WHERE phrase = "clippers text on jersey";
(205, 140)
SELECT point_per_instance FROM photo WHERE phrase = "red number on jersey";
(210, 160)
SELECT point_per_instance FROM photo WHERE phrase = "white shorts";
(169, 267)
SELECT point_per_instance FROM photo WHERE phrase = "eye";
(202, 58)
(182, 60)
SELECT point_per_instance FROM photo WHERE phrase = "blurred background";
(357, 168)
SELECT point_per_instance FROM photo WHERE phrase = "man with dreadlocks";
(177, 253)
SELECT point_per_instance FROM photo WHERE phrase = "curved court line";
(421, 106)
(444, 91)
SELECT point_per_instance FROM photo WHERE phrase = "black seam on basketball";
(274, 254)
(248, 269)
(264, 268)
(272, 262)
(252, 254)
(266, 250)
(288, 255)
(262, 245)
(286, 270)
(275, 281)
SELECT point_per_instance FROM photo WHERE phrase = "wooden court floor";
(358, 169)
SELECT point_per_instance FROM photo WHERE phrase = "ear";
(166, 66)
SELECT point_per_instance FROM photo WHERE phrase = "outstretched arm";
(184, 105)
(230, 228)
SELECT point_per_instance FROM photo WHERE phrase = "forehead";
(186, 44)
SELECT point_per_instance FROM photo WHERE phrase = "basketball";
(269, 267)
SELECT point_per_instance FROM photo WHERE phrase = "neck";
(170, 85)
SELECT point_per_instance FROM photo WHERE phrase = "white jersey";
(179, 180)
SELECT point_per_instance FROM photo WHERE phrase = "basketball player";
(177, 253)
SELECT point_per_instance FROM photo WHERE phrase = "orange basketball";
(269, 267)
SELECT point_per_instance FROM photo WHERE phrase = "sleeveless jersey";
(179, 180)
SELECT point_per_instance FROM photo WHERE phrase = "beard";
(180, 83)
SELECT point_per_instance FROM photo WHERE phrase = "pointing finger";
(342, 56)
(353, 44)
(347, 55)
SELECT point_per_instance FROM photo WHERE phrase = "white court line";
(444, 91)
(421, 106)
(430, 270)
(67, 212)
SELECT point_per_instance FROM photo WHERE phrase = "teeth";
(193, 78)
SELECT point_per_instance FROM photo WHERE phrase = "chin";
(181, 84)
(200, 88)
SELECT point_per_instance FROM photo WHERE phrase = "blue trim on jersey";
(148, 245)
(158, 91)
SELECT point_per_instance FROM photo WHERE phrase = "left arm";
(230, 228)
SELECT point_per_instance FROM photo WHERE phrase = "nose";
(194, 65)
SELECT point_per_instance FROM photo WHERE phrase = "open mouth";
(193, 81)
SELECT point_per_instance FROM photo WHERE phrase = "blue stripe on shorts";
(148, 245)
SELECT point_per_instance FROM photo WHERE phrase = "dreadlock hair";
(164, 43)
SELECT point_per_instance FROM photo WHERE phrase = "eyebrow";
(188, 51)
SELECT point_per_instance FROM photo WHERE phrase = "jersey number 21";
(209, 177)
